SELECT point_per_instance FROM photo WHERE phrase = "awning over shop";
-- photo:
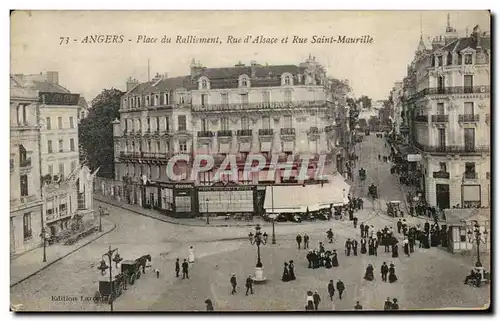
(288, 146)
(288, 210)
(245, 147)
(334, 191)
(265, 146)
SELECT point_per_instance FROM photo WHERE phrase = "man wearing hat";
(233, 283)
(388, 304)
(248, 284)
(395, 305)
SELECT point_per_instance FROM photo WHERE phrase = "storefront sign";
(224, 188)
(414, 157)
(183, 186)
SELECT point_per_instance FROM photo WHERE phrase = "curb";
(178, 223)
(62, 257)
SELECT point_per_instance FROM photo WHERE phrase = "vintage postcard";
(250, 160)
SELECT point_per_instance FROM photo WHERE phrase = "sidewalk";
(200, 221)
(30, 263)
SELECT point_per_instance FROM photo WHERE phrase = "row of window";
(244, 82)
(72, 147)
(469, 138)
(468, 108)
(60, 124)
(152, 100)
(468, 84)
(470, 167)
(466, 59)
(50, 168)
(154, 123)
(224, 98)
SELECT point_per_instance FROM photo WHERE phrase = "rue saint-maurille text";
(230, 39)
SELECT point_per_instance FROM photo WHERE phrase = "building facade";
(447, 108)
(64, 186)
(25, 188)
(397, 105)
(283, 110)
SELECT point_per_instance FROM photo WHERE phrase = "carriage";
(109, 291)
(393, 208)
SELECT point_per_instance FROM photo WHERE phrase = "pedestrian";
(191, 254)
(363, 245)
(355, 247)
(177, 268)
(388, 304)
(316, 299)
(340, 288)
(210, 306)
(355, 221)
(358, 306)
(233, 283)
(157, 273)
(406, 246)
(348, 247)
(286, 276)
(309, 301)
(369, 273)
(395, 305)
(299, 240)
(291, 270)
(362, 229)
(392, 274)
(335, 260)
(185, 266)
(309, 259)
(249, 284)
(331, 289)
(384, 269)
(306, 241)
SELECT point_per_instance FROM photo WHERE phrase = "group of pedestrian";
(185, 269)
(299, 239)
(322, 258)
(388, 305)
(288, 272)
(313, 299)
(234, 284)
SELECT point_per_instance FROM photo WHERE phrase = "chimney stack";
(53, 77)
(131, 83)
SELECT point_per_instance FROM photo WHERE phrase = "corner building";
(447, 107)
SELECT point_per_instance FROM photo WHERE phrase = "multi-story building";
(66, 188)
(283, 110)
(25, 188)
(447, 108)
(395, 95)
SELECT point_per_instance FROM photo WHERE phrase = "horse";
(142, 262)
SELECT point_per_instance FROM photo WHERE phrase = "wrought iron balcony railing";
(225, 133)
(421, 118)
(244, 132)
(205, 133)
(266, 132)
(287, 131)
(313, 130)
(445, 175)
(453, 149)
(470, 175)
(260, 105)
(25, 163)
(440, 118)
(451, 91)
(143, 155)
(468, 118)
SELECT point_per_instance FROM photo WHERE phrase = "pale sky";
(371, 69)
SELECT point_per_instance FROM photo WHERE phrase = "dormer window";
(244, 81)
(439, 61)
(468, 59)
(286, 79)
(147, 101)
(203, 83)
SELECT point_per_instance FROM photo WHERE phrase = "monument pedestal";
(259, 275)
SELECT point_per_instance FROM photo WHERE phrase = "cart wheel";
(138, 275)
(132, 279)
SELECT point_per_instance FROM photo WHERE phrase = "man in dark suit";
(331, 289)
(340, 288)
(185, 267)
(384, 269)
(248, 284)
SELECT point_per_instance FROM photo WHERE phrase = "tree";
(367, 102)
(363, 124)
(96, 132)
(374, 123)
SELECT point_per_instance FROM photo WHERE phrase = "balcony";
(25, 164)
(287, 131)
(421, 118)
(142, 155)
(206, 134)
(470, 175)
(244, 132)
(266, 132)
(445, 175)
(453, 149)
(451, 91)
(468, 118)
(439, 118)
(259, 106)
(224, 133)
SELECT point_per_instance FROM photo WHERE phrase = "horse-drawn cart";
(110, 291)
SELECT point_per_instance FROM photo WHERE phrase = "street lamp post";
(103, 267)
(258, 239)
(474, 233)
(208, 215)
(44, 241)
(273, 217)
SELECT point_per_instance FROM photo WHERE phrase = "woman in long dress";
(363, 245)
(392, 274)
(335, 260)
(406, 247)
(286, 276)
(191, 254)
(309, 301)
(395, 250)
(291, 271)
(369, 273)
(370, 247)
